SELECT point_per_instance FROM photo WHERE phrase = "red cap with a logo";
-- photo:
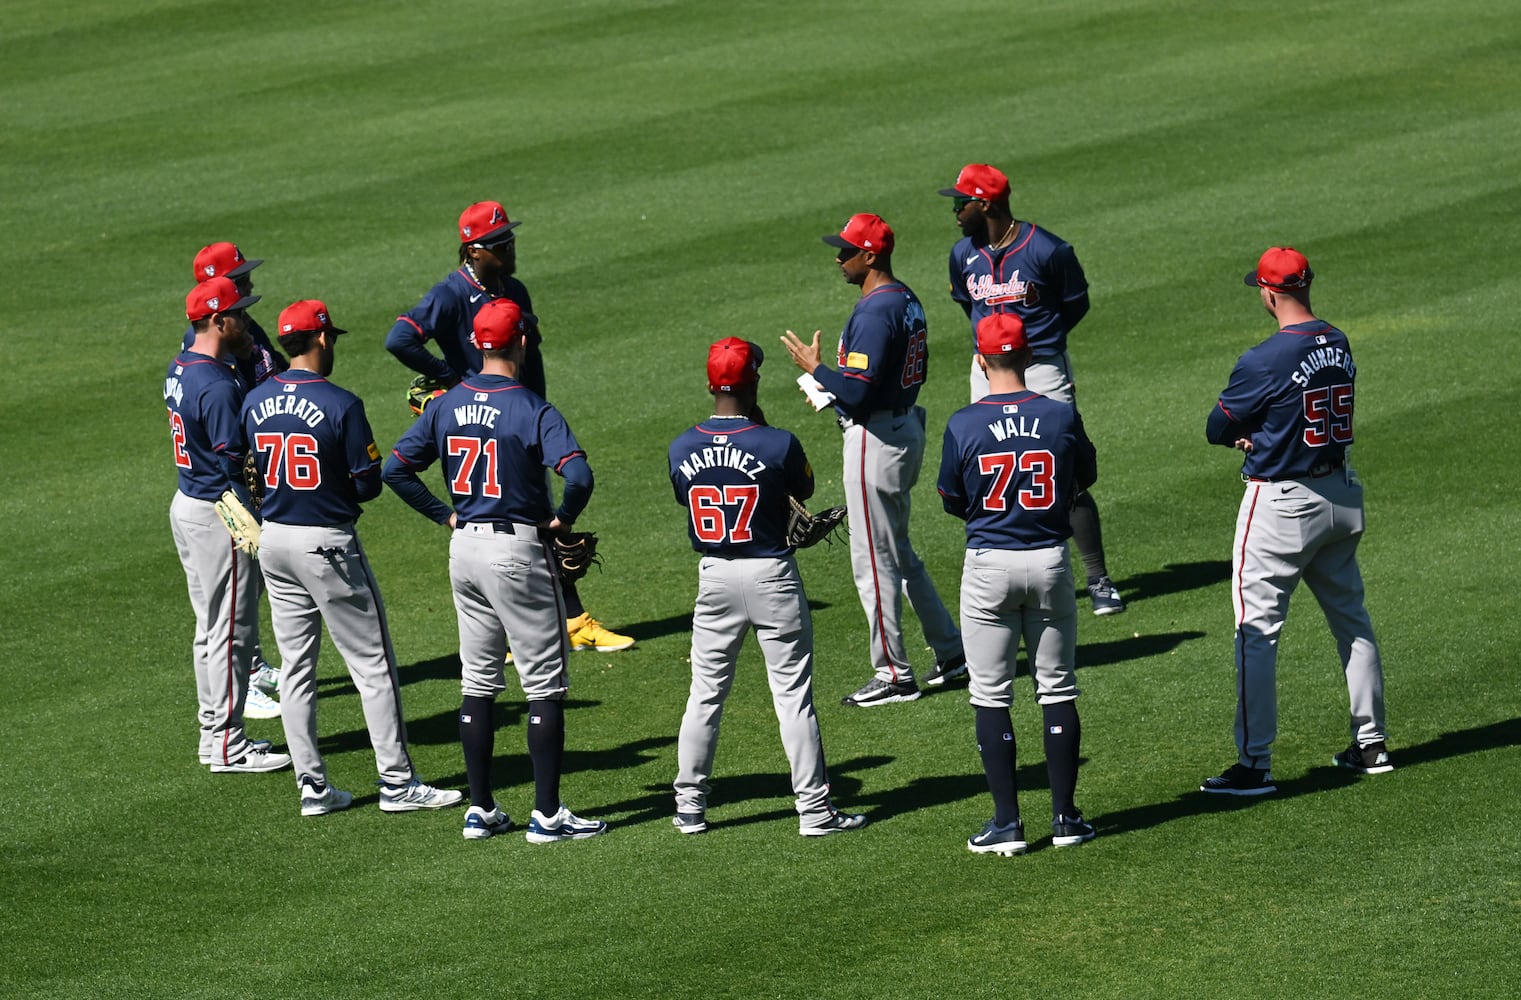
(864, 232)
(498, 322)
(307, 315)
(1001, 333)
(222, 260)
(215, 295)
(485, 223)
(733, 363)
(1281, 268)
(978, 180)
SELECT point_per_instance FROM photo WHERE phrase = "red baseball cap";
(498, 322)
(215, 295)
(1282, 268)
(307, 315)
(864, 232)
(732, 363)
(1001, 333)
(222, 260)
(485, 223)
(978, 180)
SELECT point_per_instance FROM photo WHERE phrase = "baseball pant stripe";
(1241, 687)
(876, 578)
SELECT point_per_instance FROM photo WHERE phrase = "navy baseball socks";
(477, 738)
(546, 749)
(1064, 737)
(995, 742)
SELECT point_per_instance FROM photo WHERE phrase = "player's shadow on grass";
(1172, 578)
(1097, 654)
(440, 668)
(1318, 779)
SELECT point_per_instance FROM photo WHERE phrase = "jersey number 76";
(291, 457)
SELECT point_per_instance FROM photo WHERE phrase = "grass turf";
(675, 164)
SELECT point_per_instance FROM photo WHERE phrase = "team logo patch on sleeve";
(855, 359)
(374, 452)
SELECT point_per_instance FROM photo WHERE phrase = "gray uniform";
(734, 477)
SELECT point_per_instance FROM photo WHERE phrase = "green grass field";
(675, 164)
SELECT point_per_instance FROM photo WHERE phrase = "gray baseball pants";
(224, 592)
(882, 461)
(734, 596)
(505, 585)
(1287, 531)
(1009, 594)
(316, 575)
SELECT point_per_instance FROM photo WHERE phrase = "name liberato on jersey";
(722, 456)
(288, 403)
(1323, 357)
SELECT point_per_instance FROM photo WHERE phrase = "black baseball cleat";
(1069, 831)
(946, 670)
(1239, 779)
(1105, 596)
(880, 692)
(1371, 759)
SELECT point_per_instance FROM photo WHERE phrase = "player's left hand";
(805, 356)
(1243, 444)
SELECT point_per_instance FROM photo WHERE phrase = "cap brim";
(953, 193)
(242, 303)
(836, 240)
(243, 268)
(495, 236)
(1251, 279)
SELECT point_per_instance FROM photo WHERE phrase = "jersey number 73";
(1038, 464)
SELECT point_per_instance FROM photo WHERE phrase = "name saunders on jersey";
(297, 406)
(1324, 357)
(724, 456)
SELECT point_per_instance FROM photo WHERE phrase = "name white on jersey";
(476, 413)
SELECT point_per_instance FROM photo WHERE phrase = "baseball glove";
(575, 552)
(423, 390)
(253, 481)
(805, 529)
(240, 524)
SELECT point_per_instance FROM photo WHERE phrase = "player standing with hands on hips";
(734, 474)
(488, 260)
(883, 358)
(204, 397)
(1004, 265)
(1288, 407)
(495, 438)
(1011, 464)
(317, 461)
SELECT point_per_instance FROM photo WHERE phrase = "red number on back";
(710, 508)
(291, 457)
(1039, 494)
(1328, 416)
(469, 451)
(177, 434)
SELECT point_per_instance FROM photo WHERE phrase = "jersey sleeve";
(221, 415)
(1241, 403)
(949, 483)
(413, 454)
(1086, 472)
(557, 445)
(362, 454)
(798, 471)
(421, 323)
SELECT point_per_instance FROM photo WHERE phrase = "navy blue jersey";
(883, 354)
(314, 448)
(204, 397)
(446, 315)
(1011, 466)
(1292, 396)
(1036, 277)
(495, 437)
(733, 475)
(264, 361)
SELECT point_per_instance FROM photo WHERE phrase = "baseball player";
(734, 474)
(317, 461)
(1288, 407)
(1011, 464)
(226, 260)
(487, 261)
(495, 438)
(883, 356)
(1004, 265)
(203, 396)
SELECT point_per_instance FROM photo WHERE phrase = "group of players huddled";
(1016, 466)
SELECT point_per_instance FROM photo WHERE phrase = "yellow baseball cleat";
(587, 633)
